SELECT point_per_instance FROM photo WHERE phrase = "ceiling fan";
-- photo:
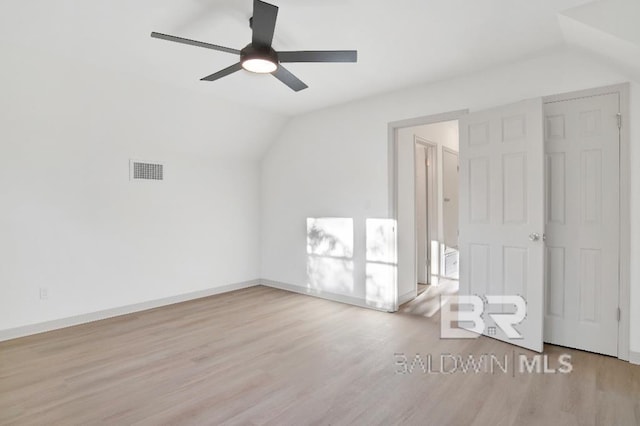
(260, 57)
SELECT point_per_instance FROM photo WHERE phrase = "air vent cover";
(146, 171)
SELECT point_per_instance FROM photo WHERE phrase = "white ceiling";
(609, 29)
(400, 43)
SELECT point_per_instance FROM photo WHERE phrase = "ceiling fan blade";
(225, 72)
(319, 56)
(194, 43)
(263, 23)
(289, 79)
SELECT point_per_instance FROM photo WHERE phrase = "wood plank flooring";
(264, 356)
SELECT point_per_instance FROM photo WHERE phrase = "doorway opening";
(427, 214)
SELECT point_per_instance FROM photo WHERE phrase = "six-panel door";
(502, 212)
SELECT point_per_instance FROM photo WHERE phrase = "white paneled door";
(502, 213)
(583, 226)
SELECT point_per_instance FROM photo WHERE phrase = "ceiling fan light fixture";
(259, 56)
(259, 60)
(259, 65)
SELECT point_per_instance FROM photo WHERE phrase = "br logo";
(470, 314)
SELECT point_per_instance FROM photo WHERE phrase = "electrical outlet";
(44, 293)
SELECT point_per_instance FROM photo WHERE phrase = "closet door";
(583, 223)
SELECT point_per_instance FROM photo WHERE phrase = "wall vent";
(146, 171)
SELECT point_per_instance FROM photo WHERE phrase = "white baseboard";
(634, 357)
(42, 327)
(407, 297)
(322, 294)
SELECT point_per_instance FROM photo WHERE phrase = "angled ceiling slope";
(608, 29)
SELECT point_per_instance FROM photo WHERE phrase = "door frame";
(443, 245)
(392, 151)
(457, 154)
(624, 295)
(426, 144)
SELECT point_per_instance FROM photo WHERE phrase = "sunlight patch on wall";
(381, 268)
(330, 255)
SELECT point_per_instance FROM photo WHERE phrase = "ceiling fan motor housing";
(259, 52)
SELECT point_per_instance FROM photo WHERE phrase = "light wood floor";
(265, 356)
(430, 297)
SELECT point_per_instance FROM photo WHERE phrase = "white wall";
(70, 219)
(334, 162)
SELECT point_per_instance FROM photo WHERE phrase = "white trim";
(634, 357)
(586, 93)
(334, 297)
(27, 330)
(624, 298)
(392, 134)
(443, 242)
(425, 143)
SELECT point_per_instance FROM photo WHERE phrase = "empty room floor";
(430, 298)
(266, 356)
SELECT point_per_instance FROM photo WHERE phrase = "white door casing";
(501, 207)
(450, 187)
(432, 209)
(426, 217)
(583, 221)
(422, 216)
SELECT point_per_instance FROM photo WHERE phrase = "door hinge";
(619, 115)
(619, 314)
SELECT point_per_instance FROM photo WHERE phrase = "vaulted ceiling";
(400, 43)
(609, 29)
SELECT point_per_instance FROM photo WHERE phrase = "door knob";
(534, 236)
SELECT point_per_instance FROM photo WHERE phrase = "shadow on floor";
(430, 298)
